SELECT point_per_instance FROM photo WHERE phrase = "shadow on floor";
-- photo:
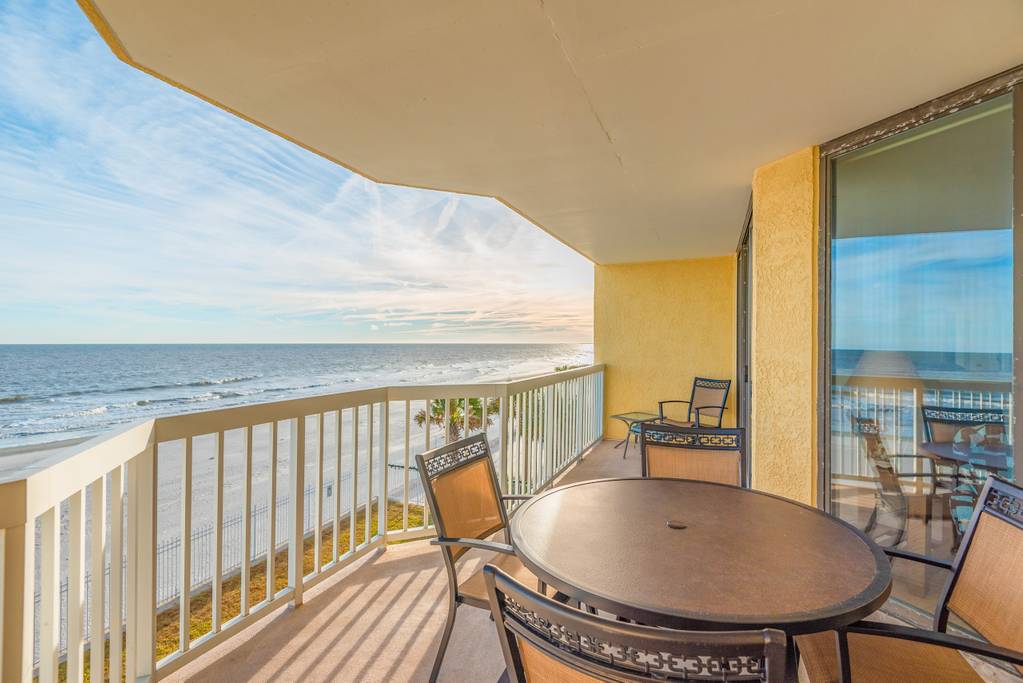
(379, 620)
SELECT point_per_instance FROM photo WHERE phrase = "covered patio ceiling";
(628, 130)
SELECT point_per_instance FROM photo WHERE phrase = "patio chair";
(700, 453)
(889, 518)
(983, 590)
(705, 407)
(467, 508)
(544, 640)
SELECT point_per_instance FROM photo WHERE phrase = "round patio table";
(694, 555)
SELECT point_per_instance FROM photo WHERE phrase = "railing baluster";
(527, 471)
(141, 626)
(271, 511)
(429, 418)
(218, 535)
(503, 415)
(246, 561)
(337, 484)
(76, 588)
(404, 500)
(520, 461)
(520, 443)
(17, 550)
(385, 452)
(447, 421)
(318, 523)
(369, 476)
(353, 522)
(184, 600)
(296, 551)
(97, 510)
(116, 570)
(49, 587)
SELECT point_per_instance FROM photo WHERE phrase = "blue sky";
(132, 212)
(939, 291)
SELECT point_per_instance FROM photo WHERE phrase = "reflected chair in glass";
(964, 425)
(467, 508)
(943, 424)
(544, 640)
(983, 590)
(699, 453)
(890, 515)
(971, 426)
(705, 407)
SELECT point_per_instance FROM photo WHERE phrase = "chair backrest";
(462, 490)
(984, 588)
(943, 424)
(877, 454)
(700, 453)
(545, 640)
(710, 396)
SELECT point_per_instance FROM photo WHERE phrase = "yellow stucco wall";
(657, 325)
(783, 346)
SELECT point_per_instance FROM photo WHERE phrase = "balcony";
(340, 472)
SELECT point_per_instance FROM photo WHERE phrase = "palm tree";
(456, 419)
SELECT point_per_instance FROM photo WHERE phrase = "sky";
(937, 291)
(133, 212)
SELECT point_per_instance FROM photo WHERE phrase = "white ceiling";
(628, 130)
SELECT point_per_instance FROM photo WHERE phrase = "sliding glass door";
(921, 332)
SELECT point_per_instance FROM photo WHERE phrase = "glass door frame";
(744, 390)
(1010, 81)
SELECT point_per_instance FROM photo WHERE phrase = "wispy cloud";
(130, 211)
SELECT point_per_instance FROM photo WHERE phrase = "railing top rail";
(69, 470)
(195, 424)
(419, 392)
(528, 383)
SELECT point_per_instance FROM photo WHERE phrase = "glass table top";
(637, 416)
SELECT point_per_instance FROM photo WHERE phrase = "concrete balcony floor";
(381, 619)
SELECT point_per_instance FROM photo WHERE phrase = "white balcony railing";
(134, 495)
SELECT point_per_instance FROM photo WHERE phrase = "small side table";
(630, 419)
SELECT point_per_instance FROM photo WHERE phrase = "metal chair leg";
(448, 626)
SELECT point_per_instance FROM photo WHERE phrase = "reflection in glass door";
(921, 328)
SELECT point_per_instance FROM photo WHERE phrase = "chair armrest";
(660, 405)
(977, 647)
(697, 409)
(913, 557)
(516, 497)
(476, 543)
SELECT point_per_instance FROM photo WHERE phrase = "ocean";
(57, 392)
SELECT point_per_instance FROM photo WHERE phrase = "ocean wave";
(17, 398)
(153, 387)
(98, 410)
(195, 398)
